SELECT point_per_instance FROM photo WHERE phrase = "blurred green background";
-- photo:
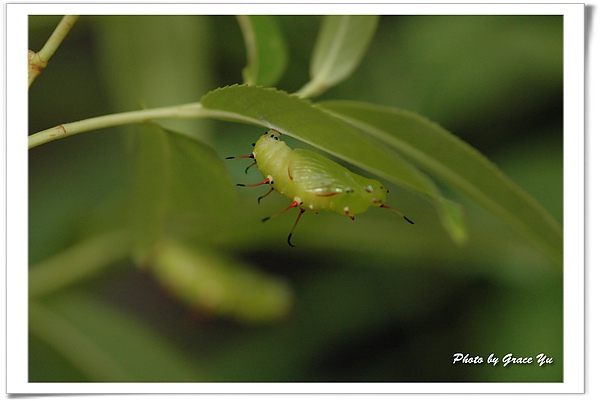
(374, 299)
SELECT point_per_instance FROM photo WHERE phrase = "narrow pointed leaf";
(265, 48)
(342, 43)
(457, 164)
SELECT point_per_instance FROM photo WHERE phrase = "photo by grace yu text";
(540, 359)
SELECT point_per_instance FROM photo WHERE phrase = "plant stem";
(78, 262)
(38, 61)
(190, 110)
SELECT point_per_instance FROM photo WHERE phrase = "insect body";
(312, 181)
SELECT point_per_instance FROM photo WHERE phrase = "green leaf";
(265, 48)
(105, 344)
(456, 163)
(300, 119)
(210, 281)
(181, 190)
(341, 45)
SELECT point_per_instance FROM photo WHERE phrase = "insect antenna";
(397, 211)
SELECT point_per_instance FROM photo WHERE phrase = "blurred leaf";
(458, 164)
(265, 48)
(154, 61)
(41, 356)
(181, 190)
(105, 344)
(184, 195)
(79, 262)
(213, 282)
(343, 40)
(299, 119)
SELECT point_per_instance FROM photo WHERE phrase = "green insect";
(312, 181)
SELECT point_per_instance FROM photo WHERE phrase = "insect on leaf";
(301, 120)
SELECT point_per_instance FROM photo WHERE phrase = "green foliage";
(147, 264)
(265, 49)
(340, 47)
(104, 344)
(299, 119)
(457, 164)
(207, 280)
(173, 175)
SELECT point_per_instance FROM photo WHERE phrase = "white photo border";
(16, 201)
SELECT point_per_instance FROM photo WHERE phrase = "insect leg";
(300, 213)
(397, 211)
(249, 156)
(266, 181)
(253, 164)
(265, 195)
(294, 204)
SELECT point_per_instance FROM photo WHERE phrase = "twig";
(38, 61)
(190, 110)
